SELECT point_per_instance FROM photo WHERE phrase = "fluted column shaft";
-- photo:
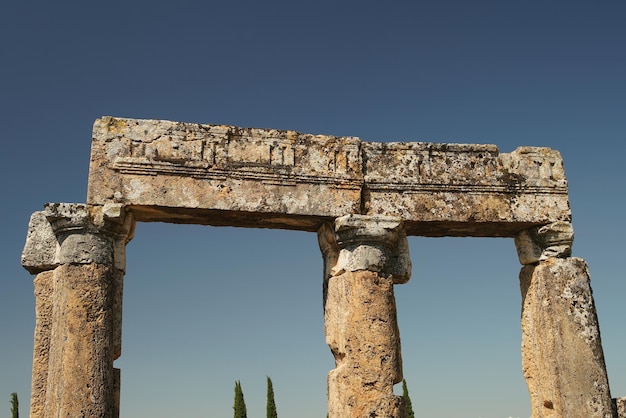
(364, 257)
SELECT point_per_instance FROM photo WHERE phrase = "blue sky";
(207, 306)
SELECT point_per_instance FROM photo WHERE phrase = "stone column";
(39, 257)
(562, 357)
(78, 303)
(364, 256)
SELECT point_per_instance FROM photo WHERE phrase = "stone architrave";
(78, 335)
(223, 175)
(464, 189)
(562, 356)
(266, 178)
(364, 257)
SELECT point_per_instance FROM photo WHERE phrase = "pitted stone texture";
(173, 171)
(364, 256)
(540, 243)
(40, 250)
(81, 379)
(464, 189)
(77, 233)
(620, 407)
(562, 357)
(362, 332)
(226, 175)
(79, 308)
(41, 346)
(374, 243)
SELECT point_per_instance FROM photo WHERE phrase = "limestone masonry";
(225, 175)
(363, 199)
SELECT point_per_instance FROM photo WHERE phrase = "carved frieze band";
(218, 152)
(468, 168)
(164, 164)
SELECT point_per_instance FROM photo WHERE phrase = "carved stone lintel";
(540, 243)
(212, 172)
(360, 242)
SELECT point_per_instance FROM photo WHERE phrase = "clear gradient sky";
(207, 306)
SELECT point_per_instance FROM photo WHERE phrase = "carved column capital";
(360, 242)
(543, 242)
(72, 233)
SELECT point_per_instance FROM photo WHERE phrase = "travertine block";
(562, 357)
(78, 306)
(41, 346)
(81, 378)
(374, 243)
(364, 256)
(40, 251)
(464, 189)
(540, 243)
(226, 175)
(362, 332)
(620, 407)
(183, 172)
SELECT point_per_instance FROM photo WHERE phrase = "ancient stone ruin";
(362, 199)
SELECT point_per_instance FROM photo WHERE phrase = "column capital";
(542, 242)
(40, 251)
(77, 233)
(361, 242)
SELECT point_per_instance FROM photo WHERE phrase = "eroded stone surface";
(464, 189)
(78, 307)
(562, 357)
(361, 255)
(164, 165)
(373, 193)
(540, 243)
(226, 175)
(362, 333)
(43, 284)
(81, 379)
(374, 243)
(620, 407)
(40, 251)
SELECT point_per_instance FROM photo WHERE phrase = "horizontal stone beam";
(464, 189)
(264, 178)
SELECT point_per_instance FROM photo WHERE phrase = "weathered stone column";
(562, 357)
(364, 257)
(78, 305)
(39, 257)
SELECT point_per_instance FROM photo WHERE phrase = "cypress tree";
(408, 407)
(240, 404)
(270, 410)
(15, 406)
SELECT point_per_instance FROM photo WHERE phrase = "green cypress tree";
(408, 407)
(15, 406)
(270, 410)
(240, 404)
